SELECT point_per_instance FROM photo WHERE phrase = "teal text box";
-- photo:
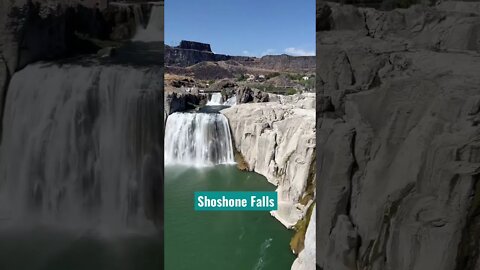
(236, 201)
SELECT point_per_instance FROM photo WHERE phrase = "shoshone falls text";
(235, 201)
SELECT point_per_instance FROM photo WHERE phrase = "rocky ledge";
(399, 138)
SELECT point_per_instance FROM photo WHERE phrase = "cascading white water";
(75, 143)
(216, 99)
(154, 30)
(135, 8)
(231, 101)
(198, 139)
(138, 14)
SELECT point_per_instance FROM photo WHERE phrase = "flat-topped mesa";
(193, 45)
(189, 53)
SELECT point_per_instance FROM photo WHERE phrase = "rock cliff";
(278, 141)
(398, 138)
(306, 258)
(282, 63)
(193, 45)
(181, 101)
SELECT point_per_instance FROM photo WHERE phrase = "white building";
(250, 78)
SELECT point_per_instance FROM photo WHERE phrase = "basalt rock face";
(190, 54)
(193, 45)
(398, 138)
(278, 141)
(246, 94)
(284, 63)
(178, 102)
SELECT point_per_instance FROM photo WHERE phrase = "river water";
(220, 240)
(52, 249)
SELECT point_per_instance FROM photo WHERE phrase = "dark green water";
(46, 249)
(220, 240)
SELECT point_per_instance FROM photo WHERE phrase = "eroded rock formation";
(278, 141)
(246, 94)
(398, 138)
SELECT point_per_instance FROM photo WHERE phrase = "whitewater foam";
(198, 139)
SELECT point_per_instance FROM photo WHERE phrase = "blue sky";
(243, 27)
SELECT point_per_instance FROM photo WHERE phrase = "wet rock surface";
(397, 137)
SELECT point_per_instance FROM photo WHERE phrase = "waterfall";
(77, 144)
(198, 139)
(216, 99)
(138, 15)
(154, 30)
(134, 8)
(231, 101)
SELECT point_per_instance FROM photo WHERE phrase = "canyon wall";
(398, 109)
(179, 102)
(189, 53)
(281, 63)
(277, 140)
